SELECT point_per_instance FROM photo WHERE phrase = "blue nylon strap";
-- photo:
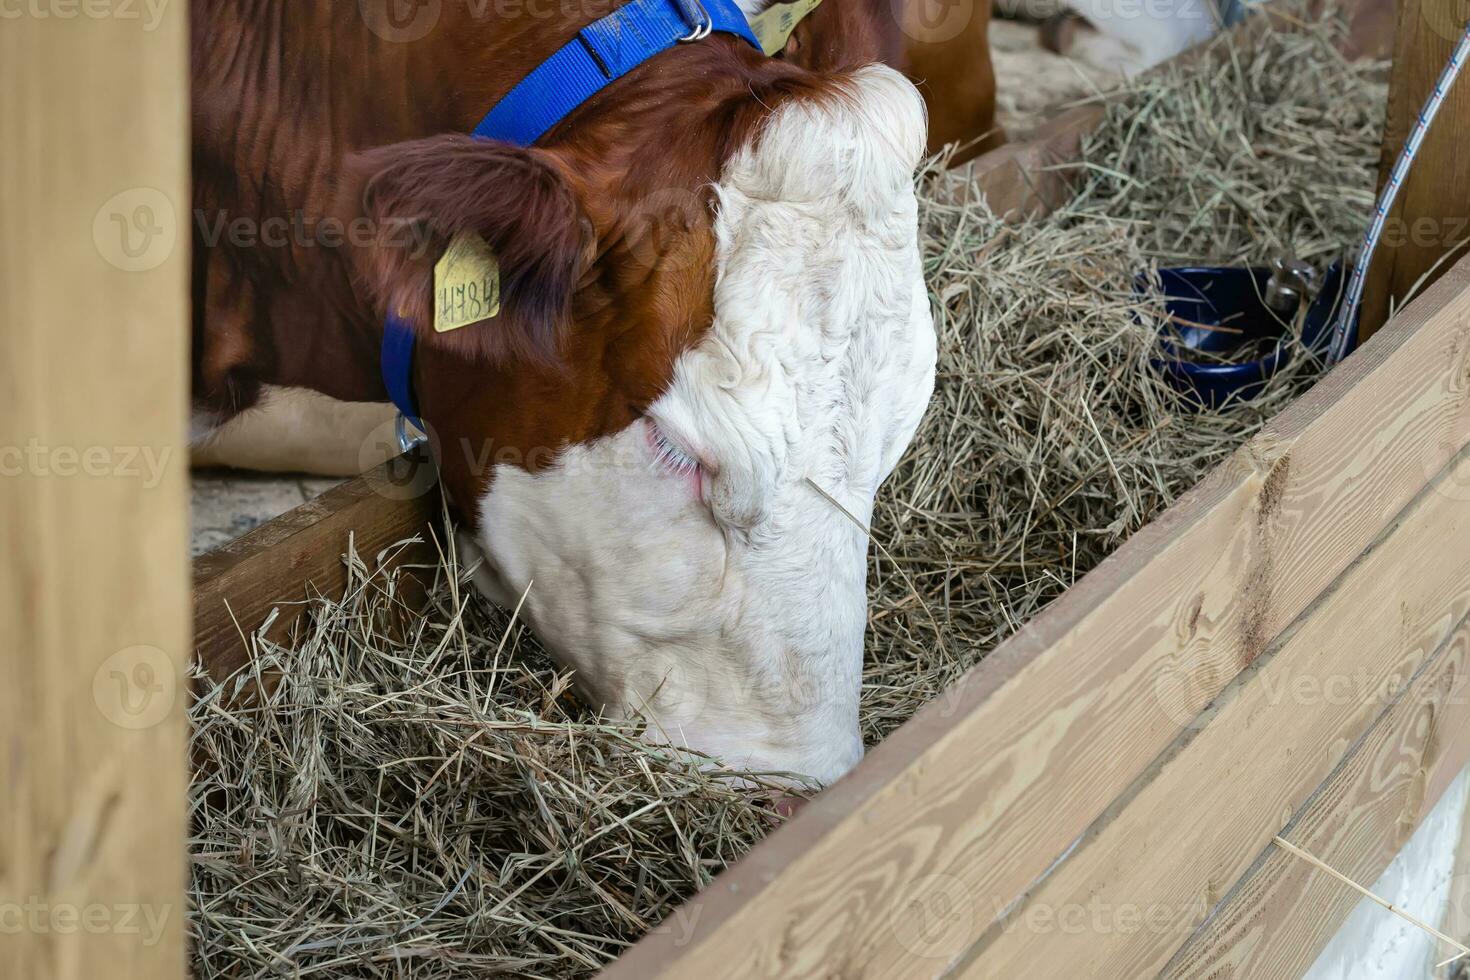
(601, 53)
(398, 367)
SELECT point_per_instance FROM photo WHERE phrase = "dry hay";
(421, 797)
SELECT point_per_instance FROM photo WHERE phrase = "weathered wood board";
(94, 593)
(1277, 918)
(237, 586)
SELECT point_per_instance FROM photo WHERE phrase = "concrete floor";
(228, 503)
(1031, 82)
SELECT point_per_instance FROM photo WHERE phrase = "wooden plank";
(1222, 792)
(1029, 178)
(238, 585)
(1431, 218)
(1283, 912)
(93, 493)
(986, 787)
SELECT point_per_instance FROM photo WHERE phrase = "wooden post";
(94, 607)
(1431, 217)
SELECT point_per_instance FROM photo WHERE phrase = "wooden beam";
(993, 782)
(237, 586)
(94, 373)
(1282, 913)
(1151, 868)
(1431, 218)
(1030, 178)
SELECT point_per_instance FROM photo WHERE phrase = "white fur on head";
(734, 620)
(873, 127)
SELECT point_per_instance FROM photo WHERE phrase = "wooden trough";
(1284, 652)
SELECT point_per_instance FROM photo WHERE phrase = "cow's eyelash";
(670, 457)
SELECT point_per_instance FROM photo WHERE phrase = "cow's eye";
(670, 456)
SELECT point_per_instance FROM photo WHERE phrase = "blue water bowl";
(1224, 342)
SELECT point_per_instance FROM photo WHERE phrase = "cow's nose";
(784, 806)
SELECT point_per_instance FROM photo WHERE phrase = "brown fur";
(942, 45)
(603, 230)
(420, 194)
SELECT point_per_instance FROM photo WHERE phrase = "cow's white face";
(686, 567)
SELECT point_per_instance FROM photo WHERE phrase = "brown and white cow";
(640, 429)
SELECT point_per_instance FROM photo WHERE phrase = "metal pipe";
(1354, 297)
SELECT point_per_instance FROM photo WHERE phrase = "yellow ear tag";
(773, 26)
(466, 283)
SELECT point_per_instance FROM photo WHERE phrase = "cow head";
(714, 344)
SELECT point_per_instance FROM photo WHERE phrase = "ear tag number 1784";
(466, 283)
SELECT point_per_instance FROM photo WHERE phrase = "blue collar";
(600, 54)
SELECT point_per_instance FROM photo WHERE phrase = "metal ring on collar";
(694, 14)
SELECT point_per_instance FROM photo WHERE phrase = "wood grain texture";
(237, 586)
(93, 494)
(1431, 218)
(1194, 824)
(989, 785)
(1282, 913)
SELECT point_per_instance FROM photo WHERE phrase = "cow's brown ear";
(418, 197)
